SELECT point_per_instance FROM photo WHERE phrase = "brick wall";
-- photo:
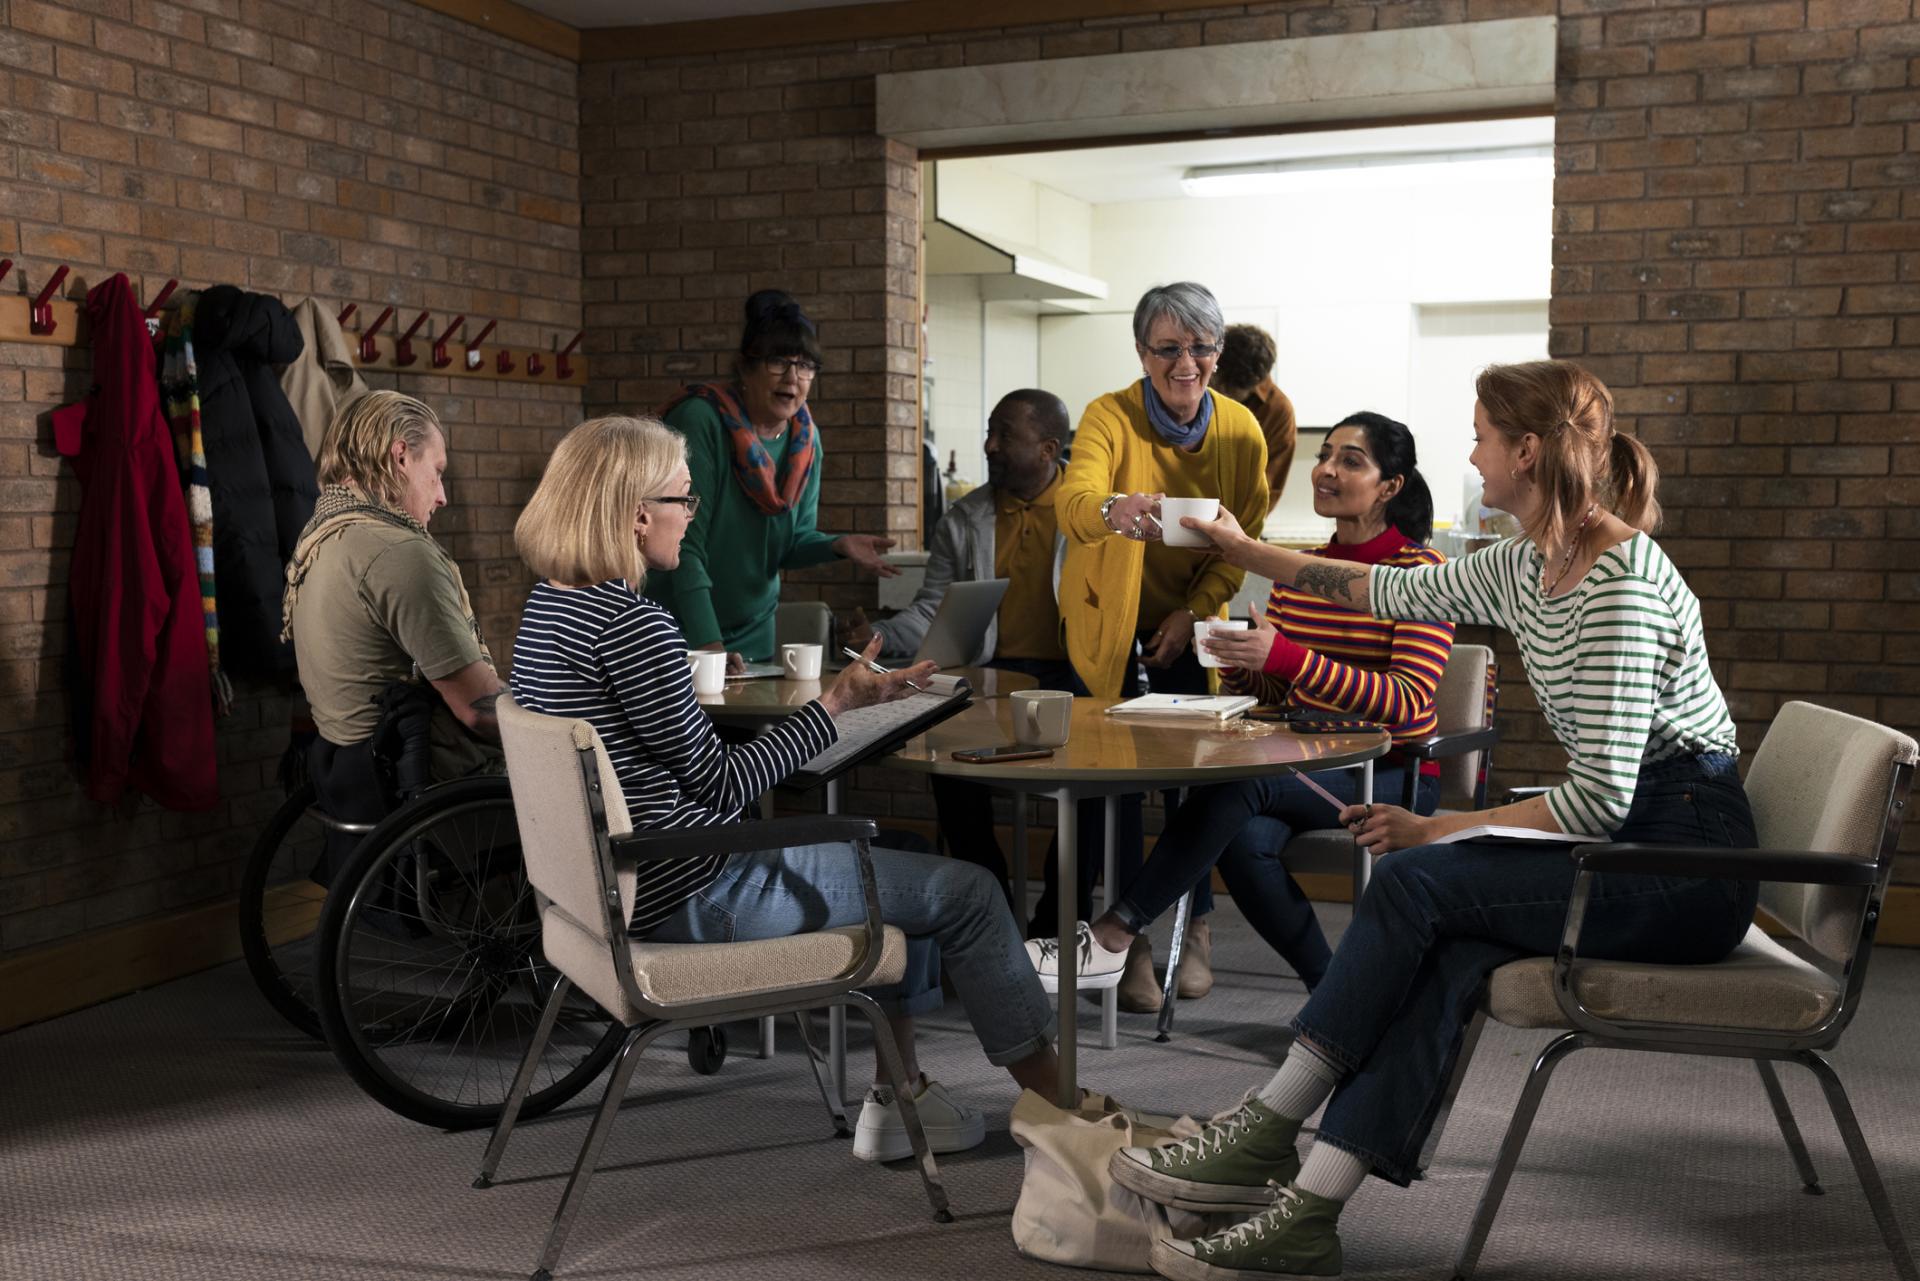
(362, 150)
(1737, 239)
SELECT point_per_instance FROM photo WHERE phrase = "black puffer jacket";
(257, 467)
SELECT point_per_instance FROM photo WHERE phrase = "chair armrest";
(1743, 865)
(1453, 743)
(1517, 794)
(739, 838)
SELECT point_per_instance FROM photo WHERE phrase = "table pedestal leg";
(1109, 997)
(1069, 879)
(836, 1014)
(1020, 908)
(1363, 861)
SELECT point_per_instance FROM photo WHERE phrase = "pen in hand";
(875, 667)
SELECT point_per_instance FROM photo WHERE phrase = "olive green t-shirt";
(378, 602)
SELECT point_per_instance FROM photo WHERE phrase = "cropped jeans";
(1437, 919)
(773, 893)
(1243, 827)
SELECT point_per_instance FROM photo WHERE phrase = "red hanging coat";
(141, 646)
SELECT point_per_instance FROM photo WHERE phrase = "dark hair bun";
(776, 307)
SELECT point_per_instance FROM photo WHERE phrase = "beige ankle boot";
(1139, 991)
(1196, 962)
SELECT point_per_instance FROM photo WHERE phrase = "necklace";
(1566, 561)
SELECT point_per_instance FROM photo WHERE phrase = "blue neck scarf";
(1184, 435)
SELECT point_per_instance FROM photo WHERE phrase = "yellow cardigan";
(1115, 451)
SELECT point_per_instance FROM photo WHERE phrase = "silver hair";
(1191, 306)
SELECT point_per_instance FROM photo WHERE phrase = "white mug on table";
(1203, 626)
(709, 667)
(802, 662)
(1173, 533)
(1042, 717)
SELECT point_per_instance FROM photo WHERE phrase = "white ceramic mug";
(1202, 626)
(1042, 717)
(802, 662)
(709, 668)
(1173, 533)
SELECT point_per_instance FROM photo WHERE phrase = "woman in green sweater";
(755, 458)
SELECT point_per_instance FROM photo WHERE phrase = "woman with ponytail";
(1321, 658)
(1610, 635)
(756, 461)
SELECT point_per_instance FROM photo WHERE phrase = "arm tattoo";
(1329, 582)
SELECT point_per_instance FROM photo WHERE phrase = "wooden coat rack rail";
(49, 321)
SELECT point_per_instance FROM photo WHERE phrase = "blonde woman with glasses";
(614, 509)
(756, 457)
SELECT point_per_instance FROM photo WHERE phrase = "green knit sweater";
(728, 581)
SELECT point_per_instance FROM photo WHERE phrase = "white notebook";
(1206, 707)
(1500, 833)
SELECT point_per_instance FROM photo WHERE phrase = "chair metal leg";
(1788, 1130)
(837, 1051)
(629, 1058)
(817, 1062)
(1469, 1040)
(1863, 1164)
(1516, 1139)
(1182, 915)
(522, 1083)
(889, 1055)
(766, 1036)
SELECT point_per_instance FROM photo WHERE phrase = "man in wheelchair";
(401, 685)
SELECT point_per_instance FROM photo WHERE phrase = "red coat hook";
(403, 350)
(535, 365)
(369, 350)
(40, 311)
(562, 367)
(504, 361)
(474, 358)
(440, 357)
(160, 299)
(346, 312)
(6, 265)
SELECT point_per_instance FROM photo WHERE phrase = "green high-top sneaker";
(1229, 1165)
(1294, 1237)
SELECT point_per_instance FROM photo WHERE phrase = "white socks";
(1302, 1084)
(1330, 1172)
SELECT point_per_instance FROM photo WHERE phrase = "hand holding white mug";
(1223, 531)
(1136, 516)
(1246, 649)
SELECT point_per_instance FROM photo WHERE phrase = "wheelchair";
(419, 961)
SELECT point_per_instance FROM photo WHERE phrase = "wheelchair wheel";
(280, 909)
(429, 977)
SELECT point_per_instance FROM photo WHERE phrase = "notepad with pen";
(1200, 707)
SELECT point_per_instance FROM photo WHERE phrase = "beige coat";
(324, 377)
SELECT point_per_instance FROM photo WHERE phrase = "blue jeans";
(1437, 919)
(772, 893)
(1243, 827)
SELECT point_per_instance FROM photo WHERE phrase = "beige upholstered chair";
(580, 854)
(1463, 739)
(802, 622)
(1829, 792)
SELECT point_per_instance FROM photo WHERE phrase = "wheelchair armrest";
(740, 838)
(1730, 864)
(1452, 743)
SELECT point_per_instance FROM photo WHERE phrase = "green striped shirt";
(1618, 664)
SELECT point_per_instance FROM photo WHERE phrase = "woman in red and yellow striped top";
(1310, 654)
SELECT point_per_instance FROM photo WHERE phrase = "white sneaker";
(951, 1125)
(1097, 967)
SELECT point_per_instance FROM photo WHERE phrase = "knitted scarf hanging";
(180, 389)
(752, 464)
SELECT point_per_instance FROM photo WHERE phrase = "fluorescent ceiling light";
(1370, 171)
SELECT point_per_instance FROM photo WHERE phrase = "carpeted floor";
(186, 1133)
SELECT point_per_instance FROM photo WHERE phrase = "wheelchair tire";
(430, 978)
(706, 1049)
(280, 909)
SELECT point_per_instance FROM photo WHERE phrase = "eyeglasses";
(1199, 351)
(802, 368)
(689, 501)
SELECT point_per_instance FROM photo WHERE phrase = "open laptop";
(953, 636)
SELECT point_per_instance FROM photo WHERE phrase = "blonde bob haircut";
(577, 528)
(357, 448)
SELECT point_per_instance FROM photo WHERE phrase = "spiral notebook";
(1200, 707)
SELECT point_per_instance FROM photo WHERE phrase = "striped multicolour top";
(618, 662)
(1339, 660)
(1618, 664)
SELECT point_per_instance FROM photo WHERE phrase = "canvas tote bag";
(1070, 1210)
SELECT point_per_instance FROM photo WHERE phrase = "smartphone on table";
(1307, 720)
(1004, 752)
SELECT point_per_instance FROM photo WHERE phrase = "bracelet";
(1106, 508)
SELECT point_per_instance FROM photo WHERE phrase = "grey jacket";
(961, 548)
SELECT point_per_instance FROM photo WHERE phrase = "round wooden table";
(1110, 756)
(751, 704)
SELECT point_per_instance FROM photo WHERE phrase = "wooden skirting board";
(73, 974)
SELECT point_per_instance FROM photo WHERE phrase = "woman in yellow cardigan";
(1126, 596)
